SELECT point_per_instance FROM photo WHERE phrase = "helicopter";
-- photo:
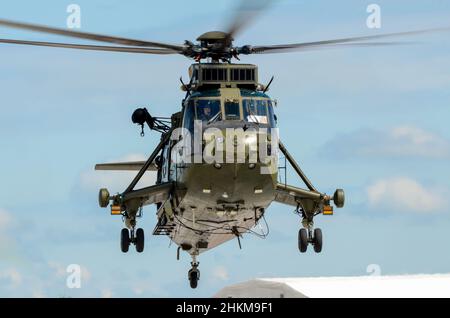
(217, 158)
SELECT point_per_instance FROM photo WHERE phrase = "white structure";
(409, 286)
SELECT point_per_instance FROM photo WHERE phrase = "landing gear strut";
(307, 236)
(194, 273)
(128, 237)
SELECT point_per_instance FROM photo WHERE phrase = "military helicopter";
(204, 203)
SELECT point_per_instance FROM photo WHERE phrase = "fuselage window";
(207, 109)
(232, 111)
(255, 110)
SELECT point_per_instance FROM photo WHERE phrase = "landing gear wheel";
(125, 240)
(194, 276)
(339, 198)
(317, 240)
(103, 198)
(139, 240)
(302, 240)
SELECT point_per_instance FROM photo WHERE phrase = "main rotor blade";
(88, 36)
(244, 14)
(335, 46)
(327, 43)
(92, 47)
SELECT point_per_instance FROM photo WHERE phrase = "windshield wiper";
(214, 119)
(252, 114)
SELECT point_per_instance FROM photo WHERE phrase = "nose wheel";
(128, 237)
(194, 276)
(194, 273)
(310, 236)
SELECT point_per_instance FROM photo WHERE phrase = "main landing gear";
(194, 273)
(308, 236)
(128, 237)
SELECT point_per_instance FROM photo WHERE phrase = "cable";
(225, 227)
(260, 235)
(201, 232)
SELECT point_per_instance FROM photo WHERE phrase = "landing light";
(258, 190)
(207, 191)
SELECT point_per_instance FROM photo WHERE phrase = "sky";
(373, 121)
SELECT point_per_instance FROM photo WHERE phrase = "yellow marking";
(327, 210)
(116, 210)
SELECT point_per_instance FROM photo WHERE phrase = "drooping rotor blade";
(89, 36)
(244, 14)
(337, 46)
(328, 43)
(92, 47)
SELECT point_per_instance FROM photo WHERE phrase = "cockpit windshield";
(200, 109)
(207, 109)
(232, 111)
(255, 110)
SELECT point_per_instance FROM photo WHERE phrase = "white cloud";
(405, 194)
(115, 181)
(413, 141)
(147, 287)
(221, 273)
(7, 241)
(107, 293)
(12, 275)
(38, 294)
(5, 219)
(85, 274)
(59, 269)
(399, 141)
(138, 290)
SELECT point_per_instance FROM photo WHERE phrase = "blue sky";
(372, 121)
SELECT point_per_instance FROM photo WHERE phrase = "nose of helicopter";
(245, 185)
(236, 172)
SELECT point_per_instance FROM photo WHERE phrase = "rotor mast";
(217, 46)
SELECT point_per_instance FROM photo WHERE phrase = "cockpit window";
(255, 110)
(232, 111)
(207, 109)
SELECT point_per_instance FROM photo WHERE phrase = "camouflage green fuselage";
(215, 199)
